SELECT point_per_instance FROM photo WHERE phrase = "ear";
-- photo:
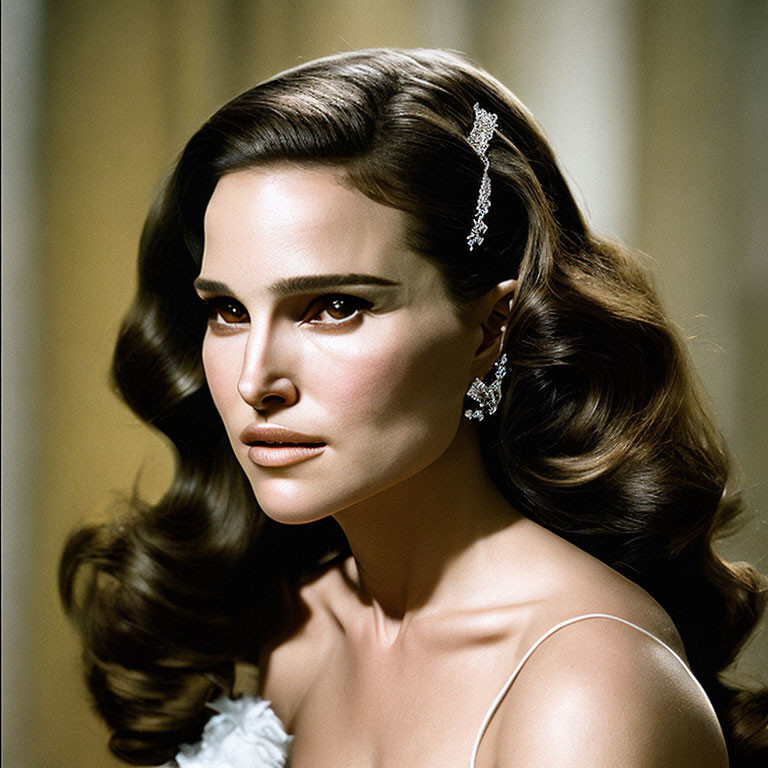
(493, 312)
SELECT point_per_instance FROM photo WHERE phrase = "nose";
(265, 382)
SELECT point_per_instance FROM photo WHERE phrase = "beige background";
(657, 110)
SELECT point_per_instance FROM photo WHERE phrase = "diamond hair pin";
(479, 138)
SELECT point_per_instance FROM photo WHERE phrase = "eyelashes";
(330, 311)
(223, 311)
(336, 308)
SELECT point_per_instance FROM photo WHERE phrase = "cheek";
(415, 387)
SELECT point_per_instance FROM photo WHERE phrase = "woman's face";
(333, 354)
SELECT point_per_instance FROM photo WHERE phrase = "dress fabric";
(246, 733)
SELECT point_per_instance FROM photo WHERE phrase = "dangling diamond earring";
(487, 396)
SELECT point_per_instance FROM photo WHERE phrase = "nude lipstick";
(274, 446)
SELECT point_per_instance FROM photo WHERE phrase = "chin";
(291, 516)
(285, 504)
(284, 501)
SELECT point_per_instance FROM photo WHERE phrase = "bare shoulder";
(599, 692)
(288, 668)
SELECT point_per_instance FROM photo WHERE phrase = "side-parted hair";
(603, 436)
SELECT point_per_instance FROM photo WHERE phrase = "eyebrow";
(301, 283)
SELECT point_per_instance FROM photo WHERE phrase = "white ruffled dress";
(246, 733)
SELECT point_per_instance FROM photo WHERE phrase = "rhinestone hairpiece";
(479, 138)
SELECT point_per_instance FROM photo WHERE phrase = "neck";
(423, 545)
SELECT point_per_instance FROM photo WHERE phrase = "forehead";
(270, 222)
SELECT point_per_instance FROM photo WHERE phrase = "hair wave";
(603, 436)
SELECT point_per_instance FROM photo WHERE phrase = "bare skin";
(595, 694)
(411, 639)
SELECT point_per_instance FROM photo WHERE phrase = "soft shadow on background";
(657, 111)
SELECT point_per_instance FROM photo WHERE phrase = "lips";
(274, 446)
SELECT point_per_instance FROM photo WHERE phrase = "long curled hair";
(602, 438)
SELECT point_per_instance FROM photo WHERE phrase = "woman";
(443, 474)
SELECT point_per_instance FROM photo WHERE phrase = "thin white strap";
(508, 684)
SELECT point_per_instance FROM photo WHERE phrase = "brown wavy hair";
(603, 436)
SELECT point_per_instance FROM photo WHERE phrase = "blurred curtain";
(657, 111)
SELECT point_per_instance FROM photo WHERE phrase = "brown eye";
(226, 312)
(335, 309)
(340, 308)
